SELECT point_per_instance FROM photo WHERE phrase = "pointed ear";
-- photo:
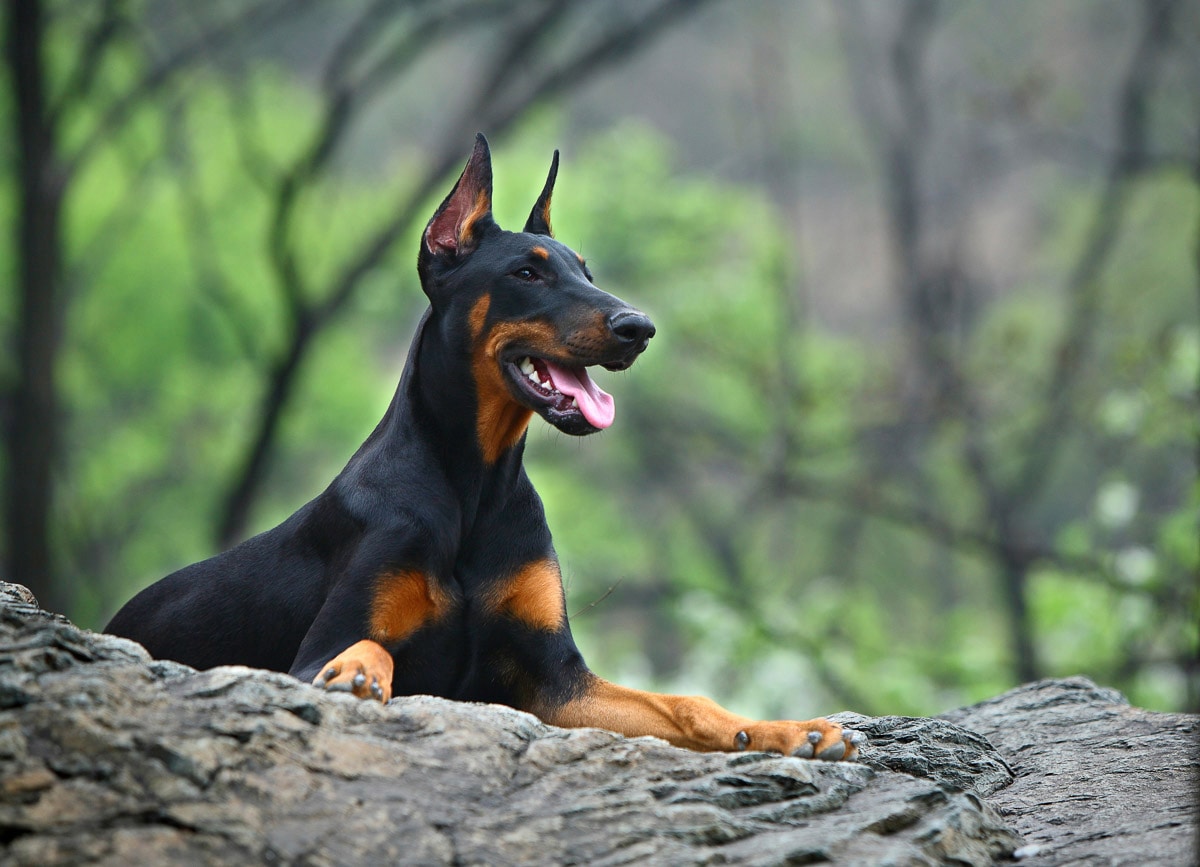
(539, 218)
(458, 221)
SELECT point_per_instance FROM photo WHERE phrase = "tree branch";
(82, 78)
(257, 15)
(202, 247)
(1045, 439)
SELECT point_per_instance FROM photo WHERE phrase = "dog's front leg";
(340, 652)
(698, 723)
(369, 613)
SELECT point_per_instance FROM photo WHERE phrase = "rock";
(107, 756)
(932, 749)
(1097, 781)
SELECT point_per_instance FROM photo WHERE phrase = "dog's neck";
(436, 404)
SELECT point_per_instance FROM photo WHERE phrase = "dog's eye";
(527, 274)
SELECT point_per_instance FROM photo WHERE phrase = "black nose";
(632, 328)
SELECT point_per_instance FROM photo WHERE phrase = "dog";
(427, 566)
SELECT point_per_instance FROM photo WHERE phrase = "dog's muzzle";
(632, 330)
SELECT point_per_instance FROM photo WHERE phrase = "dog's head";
(534, 321)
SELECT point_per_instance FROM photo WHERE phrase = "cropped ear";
(539, 218)
(457, 223)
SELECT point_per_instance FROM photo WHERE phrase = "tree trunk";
(33, 425)
(1014, 579)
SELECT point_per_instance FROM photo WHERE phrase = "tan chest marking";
(533, 595)
(405, 601)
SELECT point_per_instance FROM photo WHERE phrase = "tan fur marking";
(589, 338)
(692, 722)
(540, 252)
(534, 596)
(403, 603)
(501, 420)
(477, 318)
(483, 204)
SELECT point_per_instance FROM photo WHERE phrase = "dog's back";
(250, 605)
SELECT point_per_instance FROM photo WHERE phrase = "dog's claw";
(856, 738)
(814, 738)
(330, 674)
(741, 741)
(359, 680)
(804, 751)
(376, 690)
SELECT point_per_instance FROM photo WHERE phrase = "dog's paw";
(813, 739)
(363, 669)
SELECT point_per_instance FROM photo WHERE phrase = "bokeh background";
(921, 421)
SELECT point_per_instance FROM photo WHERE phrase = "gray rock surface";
(109, 757)
(1097, 781)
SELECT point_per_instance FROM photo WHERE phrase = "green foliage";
(176, 311)
(743, 530)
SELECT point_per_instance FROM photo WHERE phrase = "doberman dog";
(427, 566)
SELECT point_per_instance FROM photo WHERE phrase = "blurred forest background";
(921, 421)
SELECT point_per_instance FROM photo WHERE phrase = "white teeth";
(531, 373)
(573, 404)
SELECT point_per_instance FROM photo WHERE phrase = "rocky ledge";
(110, 757)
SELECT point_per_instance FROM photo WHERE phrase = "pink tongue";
(595, 403)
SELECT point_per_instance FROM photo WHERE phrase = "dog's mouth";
(564, 395)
